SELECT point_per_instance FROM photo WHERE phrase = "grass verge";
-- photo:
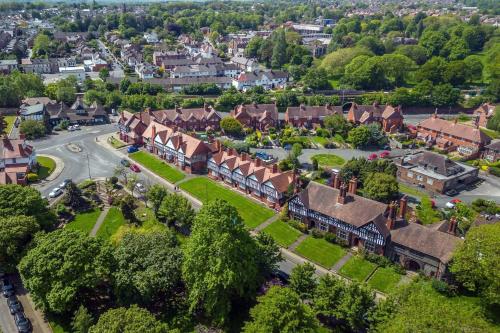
(10, 120)
(46, 166)
(406, 189)
(320, 251)
(282, 233)
(84, 221)
(206, 190)
(116, 143)
(112, 222)
(491, 133)
(157, 166)
(384, 280)
(328, 160)
(357, 268)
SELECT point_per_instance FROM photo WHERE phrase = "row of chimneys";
(353, 183)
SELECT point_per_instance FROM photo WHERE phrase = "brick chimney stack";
(403, 205)
(206, 107)
(243, 157)
(218, 145)
(275, 168)
(334, 179)
(452, 226)
(336, 182)
(140, 116)
(391, 215)
(123, 115)
(229, 152)
(154, 132)
(353, 185)
(258, 162)
(341, 198)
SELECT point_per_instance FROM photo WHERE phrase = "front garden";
(157, 166)
(357, 268)
(283, 233)
(385, 279)
(320, 251)
(116, 143)
(205, 190)
(46, 166)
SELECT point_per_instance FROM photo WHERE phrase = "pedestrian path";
(99, 221)
(341, 262)
(267, 222)
(297, 242)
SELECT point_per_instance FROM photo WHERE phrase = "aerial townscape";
(213, 166)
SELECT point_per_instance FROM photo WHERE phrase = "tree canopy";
(133, 319)
(15, 234)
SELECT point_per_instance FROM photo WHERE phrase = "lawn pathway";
(297, 242)
(341, 262)
(266, 223)
(99, 221)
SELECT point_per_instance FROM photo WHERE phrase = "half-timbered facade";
(266, 183)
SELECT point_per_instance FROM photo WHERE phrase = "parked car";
(372, 157)
(140, 187)
(384, 154)
(65, 183)
(14, 305)
(7, 288)
(55, 193)
(132, 149)
(125, 163)
(22, 323)
(135, 168)
(71, 128)
(76, 127)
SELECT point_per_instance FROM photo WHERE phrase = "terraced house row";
(251, 176)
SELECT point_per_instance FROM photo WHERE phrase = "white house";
(268, 80)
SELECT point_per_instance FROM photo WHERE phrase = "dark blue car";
(132, 149)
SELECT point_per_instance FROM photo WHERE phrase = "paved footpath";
(266, 223)
(99, 221)
(299, 240)
(342, 262)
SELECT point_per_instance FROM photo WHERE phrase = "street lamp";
(88, 165)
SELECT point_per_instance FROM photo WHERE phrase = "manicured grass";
(46, 166)
(491, 133)
(282, 233)
(116, 143)
(84, 221)
(157, 166)
(357, 268)
(320, 140)
(329, 160)
(113, 220)
(384, 280)
(206, 190)
(10, 120)
(320, 251)
(403, 188)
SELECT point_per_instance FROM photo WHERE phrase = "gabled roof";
(305, 111)
(14, 148)
(458, 130)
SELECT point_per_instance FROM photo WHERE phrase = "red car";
(135, 168)
(384, 154)
(372, 157)
(455, 201)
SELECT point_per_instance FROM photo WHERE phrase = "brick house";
(376, 227)
(256, 116)
(492, 151)
(435, 172)
(309, 116)
(483, 113)
(389, 117)
(131, 126)
(452, 135)
(251, 176)
(16, 160)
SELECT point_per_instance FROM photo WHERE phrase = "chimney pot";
(353, 185)
(275, 168)
(258, 162)
(342, 194)
(403, 205)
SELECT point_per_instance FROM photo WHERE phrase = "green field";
(320, 251)
(329, 160)
(84, 221)
(157, 166)
(357, 268)
(10, 120)
(112, 222)
(491, 133)
(206, 190)
(410, 190)
(46, 166)
(384, 280)
(282, 233)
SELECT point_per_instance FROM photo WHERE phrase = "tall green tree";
(65, 268)
(148, 267)
(476, 263)
(82, 320)
(338, 124)
(278, 58)
(303, 280)
(175, 208)
(156, 194)
(220, 262)
(281, 310)
(269, 254)
(133, 319)
(381, 187)
(15, 234)
(359, 136)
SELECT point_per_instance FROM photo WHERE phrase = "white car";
(76, 127)
(71, 128)
(140, 187)
(450, 205)
(55, 192)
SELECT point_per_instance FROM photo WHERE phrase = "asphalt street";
(7, 324)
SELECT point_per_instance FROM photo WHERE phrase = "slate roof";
(435, 162)
(254, 110)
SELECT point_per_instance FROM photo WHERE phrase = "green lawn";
(84, 221)
(320, 140)
(46, 166)
(329, 160)
(282, 233)
(357, 268)
(10, 120)
(320, 251)
(492, 133)
(384, 280)
(206, 189)
(410, 190)
(157, 166)
(113, 220)
(116, 143)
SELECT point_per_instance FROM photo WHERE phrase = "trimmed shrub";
(32, 177)
(316, 233)
(302, 227)
(330, 237)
